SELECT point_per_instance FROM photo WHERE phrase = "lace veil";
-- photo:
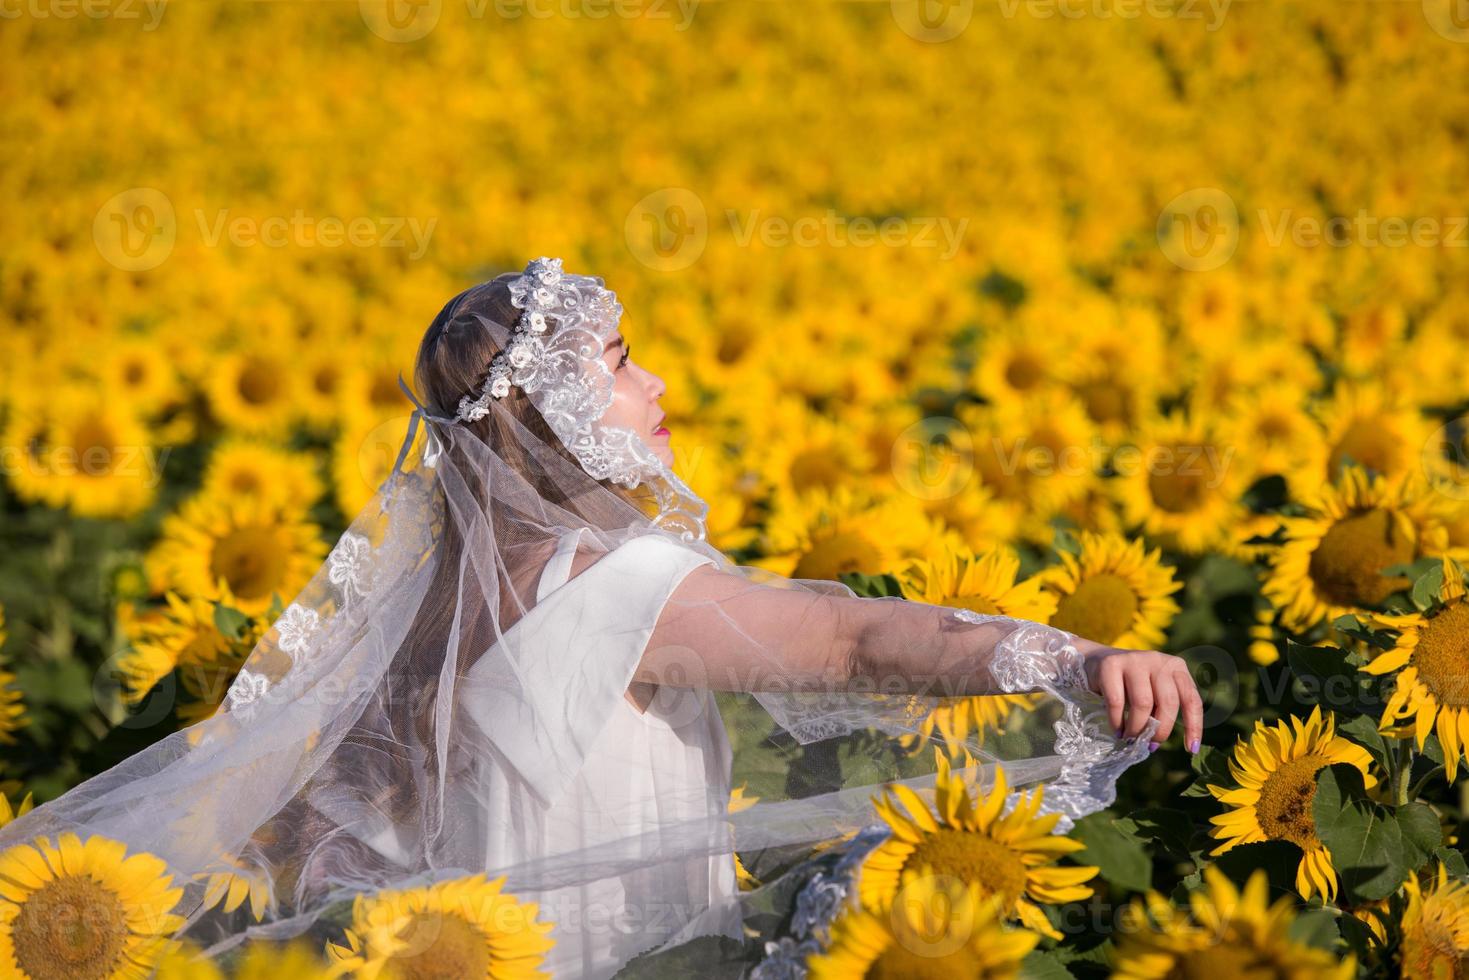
(376, 732)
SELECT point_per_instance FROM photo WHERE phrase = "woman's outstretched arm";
(728, 632)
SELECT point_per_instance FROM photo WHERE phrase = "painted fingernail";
(1153, 746)
(1194, 746)
(1118, 732)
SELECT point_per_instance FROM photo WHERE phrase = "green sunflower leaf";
(1362, 729)
(1426, 588)
(1324, 675)
(1364, 840)
(1421, 833)
(1121, 856)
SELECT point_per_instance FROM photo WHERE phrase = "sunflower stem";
(1402, 758)
(1422, 782)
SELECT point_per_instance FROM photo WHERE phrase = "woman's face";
(635, 395)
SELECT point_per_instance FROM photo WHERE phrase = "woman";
(506, 667)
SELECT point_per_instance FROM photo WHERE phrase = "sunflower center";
(326, 379)
(815, 468)
(972, 857)
(1368, 444)
(94, 444)
(1442, 656)
(1104, 402)
(898, 962)
(1024, 372)
(842, 552)
(259, 382)
(72, 928)
(1182, 486)
(1346, 566)
(251, 560)
(1102, 607)
(1284, 810)
(1231, 960)
(441, 947)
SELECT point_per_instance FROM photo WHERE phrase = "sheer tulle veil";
(350, 755)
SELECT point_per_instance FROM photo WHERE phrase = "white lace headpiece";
(555, 355)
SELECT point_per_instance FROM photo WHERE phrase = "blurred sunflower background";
(1147, 321)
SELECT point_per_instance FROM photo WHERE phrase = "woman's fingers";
(1193, 709)
(1112, 689)
(1141, 684)
(1138, 680)
(1165, 703)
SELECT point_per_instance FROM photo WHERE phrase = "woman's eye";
(626, 355)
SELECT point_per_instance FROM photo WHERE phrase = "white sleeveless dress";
(638, 770)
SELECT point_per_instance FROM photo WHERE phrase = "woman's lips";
(662, 430)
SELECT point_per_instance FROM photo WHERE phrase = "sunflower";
(952, 575)
(1056, 447)
(1015, 361)
(1225, 932)
(241, 467)
(1431, 686)
(9, 813)
(811, 452)
(462, 928)
(80, 909)
(1367, 425)
(12, 708)
(26, 440)
(822, 535)
(253, 390)
(1276, 776)
(1284, 439)
(1182, 483)
(184, 635)
(1113, 592)
(938, 927)
(259, 551)
(260, 960)
(1331, 561)
(1113, 371)
(134, 371)
(1436, 929)
(99, 458)
(1011, 856)
(230, 888)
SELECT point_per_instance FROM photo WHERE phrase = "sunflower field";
(1147, 319)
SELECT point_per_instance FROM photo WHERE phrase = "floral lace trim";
(818, 902)
(300, 629)
(1037, 657)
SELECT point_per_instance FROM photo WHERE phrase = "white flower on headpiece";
(537, 321)
(548, 271)
(500, 387)
(543, 296)
(297, 626)
(520, 355)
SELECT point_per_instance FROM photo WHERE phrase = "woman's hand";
(1143, 684)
